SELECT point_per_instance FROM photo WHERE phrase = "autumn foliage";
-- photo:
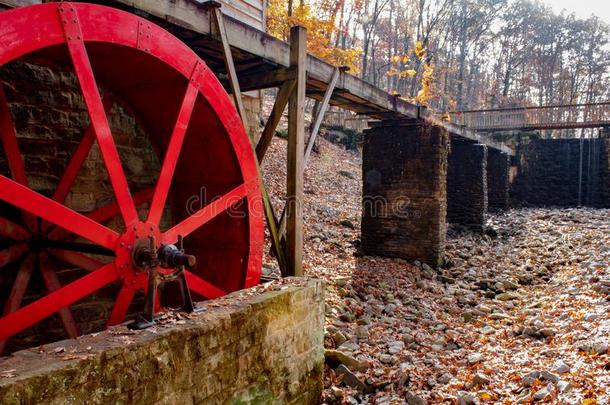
(400, 67)
(320, 32)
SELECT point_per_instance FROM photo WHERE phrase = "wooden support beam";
(296, 143)
(274, 231)
(321, 111)
(264, 80)
(217, 16)
(315, 128)
(273, 78)
(272, 222)
(274, 118)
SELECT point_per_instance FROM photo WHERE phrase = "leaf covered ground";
(517, 315)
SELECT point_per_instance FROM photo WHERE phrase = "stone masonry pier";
(467, 185)
(498, 180)
(248, 347)
(404, 193)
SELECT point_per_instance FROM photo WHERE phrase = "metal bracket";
(151, 259)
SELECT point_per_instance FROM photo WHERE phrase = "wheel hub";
(132, 241)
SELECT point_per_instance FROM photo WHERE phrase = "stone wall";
(548, 173)
(244, 348)
(498, 180)
(404, 171)
(467, 184)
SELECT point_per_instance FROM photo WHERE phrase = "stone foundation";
(404, 194)
(498, 180)
(244, 348)
(467, 185)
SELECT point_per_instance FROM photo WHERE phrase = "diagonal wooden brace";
(272, 223)
(215, 9)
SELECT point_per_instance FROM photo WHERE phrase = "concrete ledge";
(263, 345)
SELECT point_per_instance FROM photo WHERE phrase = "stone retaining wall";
(245, 348)
(548, 173)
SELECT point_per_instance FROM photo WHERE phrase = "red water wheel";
(206, 191)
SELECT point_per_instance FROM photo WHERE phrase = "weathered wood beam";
(296, 143)
(259, 81)
(272, 222)
(215, 9)
(321, 111)
(315, 128)
(274, 231)
(274, 119)
(18, 3)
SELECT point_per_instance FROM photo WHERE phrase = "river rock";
(350, 379)
(561, 367)
(475, 358)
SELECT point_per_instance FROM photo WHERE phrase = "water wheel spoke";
(76, 161)
(97, 115)
(26, 199)
(206, 214)
(52, 284)
(12, 253)
(110, 211)
(13, 155)
(19, 287)
(162, 112)
(105, 213)
(12, 230)
(172, 154)
(202, 287)
(76, 259)
(51, 303)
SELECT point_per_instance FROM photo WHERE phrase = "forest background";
(458, 54)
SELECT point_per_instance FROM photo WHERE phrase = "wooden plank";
(251, 12)
(235, 87)
(274, 118)
(19, 3)
(296, 143)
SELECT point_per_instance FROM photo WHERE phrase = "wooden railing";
(529, 118)
(346, 119)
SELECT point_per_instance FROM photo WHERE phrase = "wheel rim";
(187, 114)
